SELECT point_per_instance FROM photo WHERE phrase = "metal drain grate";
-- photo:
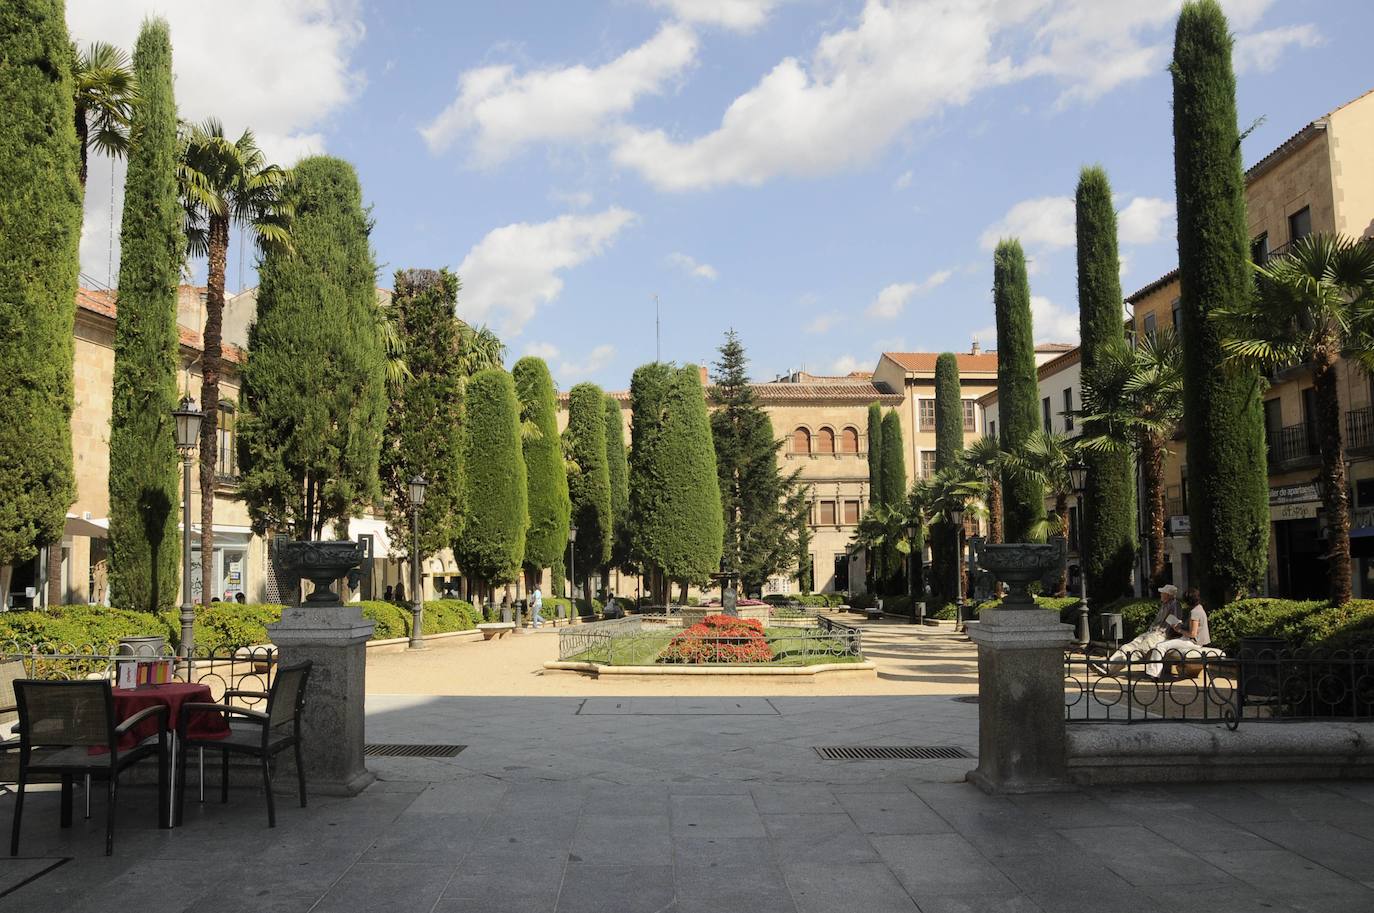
(891, 752)
(376, 750)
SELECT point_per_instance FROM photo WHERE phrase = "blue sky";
(826, 177)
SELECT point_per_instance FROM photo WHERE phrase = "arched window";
(849, 440)
(825, 440)
(801, 441)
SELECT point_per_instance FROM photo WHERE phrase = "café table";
(202, 725)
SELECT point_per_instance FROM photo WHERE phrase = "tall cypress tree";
(497, 505)
(314, 388)
(1023, 499)
(760, 505)
(1228, 496)
(40, 228)
(618, 469)
(894, 495)
(648, 511)
(1108, 518)
(144, 557)
(545, 469)
(874, 566)
(590, 483)
(424, 423)
(692, 548)
(949, 445)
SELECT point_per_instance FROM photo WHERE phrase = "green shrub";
(391, 620)
(445, 615)
(947, 612)
(863, 601)
(587, 608)
(223, 627)
(1302, 624)
(78, 625)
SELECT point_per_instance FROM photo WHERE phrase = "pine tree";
(760, 505)
(648, 508)
(497, 505)
(1108, 517)
(618, 468)
(424, 423)
(590, 484)
(144, 557)
(314, 388)
(40, 228)
(874, 566)
(545, 470)
(1023, 499)
(894, 496)
(1227, 465)
(949, 446)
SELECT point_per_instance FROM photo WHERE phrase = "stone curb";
(865, 669)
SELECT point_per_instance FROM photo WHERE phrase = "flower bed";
(719, 639)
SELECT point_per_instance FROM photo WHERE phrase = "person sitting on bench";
(1187, 640)
(1156, 634)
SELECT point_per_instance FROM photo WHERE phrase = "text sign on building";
(1280, 512)
(1293, 494)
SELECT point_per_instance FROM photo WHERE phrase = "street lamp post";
(1078, 476)
(187, 418)
(956, 516)
(572, 567)
(417, 602)
(918, 607)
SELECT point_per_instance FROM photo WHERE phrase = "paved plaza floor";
(690, 803)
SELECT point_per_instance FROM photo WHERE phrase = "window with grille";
(226, 460)
(926, 408)
(927, 463)
(970, 415)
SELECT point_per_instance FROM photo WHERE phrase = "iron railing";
(1359, 428)
(1256, 685)
(1293, 445)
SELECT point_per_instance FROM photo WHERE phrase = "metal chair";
(256, 733)
(59, 723)
(11, 671)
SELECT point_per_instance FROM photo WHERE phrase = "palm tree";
(223, 182)
(106, 92)
(1311, 306)
(1046, 458)
(1136, 405)
(882, 530)
(479, 349)
(388, 320)
(985, 460)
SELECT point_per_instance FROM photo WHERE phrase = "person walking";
(536, 606)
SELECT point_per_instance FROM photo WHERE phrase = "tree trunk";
(994, 510)
(57, 591)
(1335, 500)
(1152, 466)
(82, 139)
(209, 397)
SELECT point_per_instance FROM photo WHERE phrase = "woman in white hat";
(1156, 634)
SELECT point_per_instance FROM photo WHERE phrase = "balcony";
(1293, 447)
(1359, 429)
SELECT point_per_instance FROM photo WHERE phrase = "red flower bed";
(719, 639)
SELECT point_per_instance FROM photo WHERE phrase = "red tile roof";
(102, 303)
(845, 391)
(924, 362)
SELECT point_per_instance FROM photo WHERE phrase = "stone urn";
(322, 563)
(1018, 565)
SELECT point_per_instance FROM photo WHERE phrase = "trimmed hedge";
(225, 626)
(83, 624)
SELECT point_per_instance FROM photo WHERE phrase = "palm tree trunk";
(1061, 513)
(1152, 466)
(995, 509)
(82, 138)
(1335, 500)
(211, 344)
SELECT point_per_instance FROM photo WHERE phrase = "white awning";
(94, 528)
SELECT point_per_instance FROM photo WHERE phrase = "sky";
(826, 177)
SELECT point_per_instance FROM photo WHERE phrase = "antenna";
(658, 346)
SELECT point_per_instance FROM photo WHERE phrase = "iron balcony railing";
(1359, 428)
(1293, 445)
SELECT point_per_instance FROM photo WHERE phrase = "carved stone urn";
(322, 563)
(1018, 565)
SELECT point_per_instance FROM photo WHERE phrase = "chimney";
(976, 349)
(705, 378)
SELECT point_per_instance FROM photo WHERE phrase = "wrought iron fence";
(1256, 685)
(641, 639)
(245, 669)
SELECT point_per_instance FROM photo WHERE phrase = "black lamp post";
(572, 565)
(1078, 477)
(956, 516)
(187, 418)
(918, 608)
(417, 602)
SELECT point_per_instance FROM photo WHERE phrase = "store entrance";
(1301, 559)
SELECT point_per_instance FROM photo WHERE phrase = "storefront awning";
(86, 526)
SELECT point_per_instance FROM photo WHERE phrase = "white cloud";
(903, 180)
(893, 298)
(1145, 220)
(545, 350)
(577, 199)
(291, 73)
(845, 364)
(575, 369)
(740, 15)
(821, 324)
(691, 267)
(504, 110)
(1049, 323)
(1260, 51)
(515, 268)
(1044, 222)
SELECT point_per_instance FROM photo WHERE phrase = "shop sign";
(1180, 525)
(1293, 494)
(1302, 511)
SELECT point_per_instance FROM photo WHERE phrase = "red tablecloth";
(202, 725)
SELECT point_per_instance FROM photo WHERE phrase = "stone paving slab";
(552, 810)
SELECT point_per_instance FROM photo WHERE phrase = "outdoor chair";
(10, 671)
(59, 725)
(260, 734)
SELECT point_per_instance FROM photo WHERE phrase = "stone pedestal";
(1021, 740)
(334, 638)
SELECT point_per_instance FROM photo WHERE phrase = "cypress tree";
(894, 495)
(144, 557)
(40, 228)
(874, 566)
(949, 445)
(693, 541)
(314, 388)
(1108, 519)
(1228, 496)
(1023, 499)
(648, 508)
(546, 471)
(424, 423)
(497, 508)
(618, 468)
(760, 505)
(590, 484)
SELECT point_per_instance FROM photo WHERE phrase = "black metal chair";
(59, 723)
(261, 734)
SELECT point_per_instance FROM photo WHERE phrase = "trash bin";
(150, 647)
(1112, 627)
(1260, 675)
